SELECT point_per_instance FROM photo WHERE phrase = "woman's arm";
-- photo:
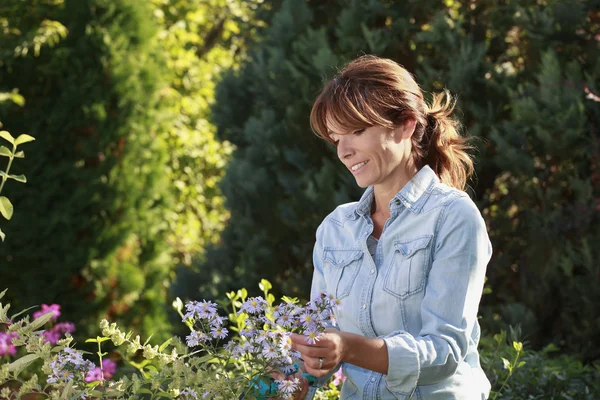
(335, 347)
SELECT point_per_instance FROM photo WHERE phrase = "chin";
(363, 183)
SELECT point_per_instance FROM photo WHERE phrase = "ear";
(406, 130)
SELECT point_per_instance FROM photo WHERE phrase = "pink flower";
(55, 308)
(53, 335)
(6, 346)
(109, 366)
(94, 375)
(338, 377)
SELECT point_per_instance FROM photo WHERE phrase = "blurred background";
(173, 153)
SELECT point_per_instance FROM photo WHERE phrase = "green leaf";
(506, 363)
(3, 293)
(6, 207)
(41, 321)
(4, 151)
(165, 394)
(265, 285)
(67, 390)
(518, 346)
(99, 339)
(152, 368)
(165, 344)
(20, 154)
(206, 358)
(178, 304)
(19, 365)
(521, 364)
(144, 391)
(148, 340)
(7, 136)
(4, 313)
(14, 316)
(290, 300)
(24, 138)
(19, 178)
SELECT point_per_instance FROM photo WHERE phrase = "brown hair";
(377, 91)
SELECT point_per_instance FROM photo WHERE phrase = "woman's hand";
(323, 356)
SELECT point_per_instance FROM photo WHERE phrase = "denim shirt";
(420, 293)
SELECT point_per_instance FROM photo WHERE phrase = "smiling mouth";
(357, 166)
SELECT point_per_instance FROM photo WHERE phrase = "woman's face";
(376, 156)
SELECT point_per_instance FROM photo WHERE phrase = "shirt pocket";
(407, 272)
(340, 270)
(349, 391)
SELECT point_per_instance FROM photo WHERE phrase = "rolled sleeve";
(449, 308)
(404, 366)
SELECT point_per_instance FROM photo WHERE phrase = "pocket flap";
(409, 247)
(341, 258)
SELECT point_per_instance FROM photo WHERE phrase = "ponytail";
(441, 146)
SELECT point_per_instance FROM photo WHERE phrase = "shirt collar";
(412, 195)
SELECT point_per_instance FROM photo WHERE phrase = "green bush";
(517, 373)
(89, 231)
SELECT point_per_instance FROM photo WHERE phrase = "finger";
(322, 340)
(312, 351)
(317, 373)
(312, 364)
(303, 389)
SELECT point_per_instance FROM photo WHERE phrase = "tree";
(89, 227)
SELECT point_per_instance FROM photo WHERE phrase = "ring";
(320, 362)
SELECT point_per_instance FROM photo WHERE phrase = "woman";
(408, 260)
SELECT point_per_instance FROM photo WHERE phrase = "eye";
(358, 132)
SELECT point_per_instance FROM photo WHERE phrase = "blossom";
(109, 367)
(287, 387)
(220, 333)
(6, 346)
(66, 364)
(312, 336)
(194, 338)
(52, 308)
(94, 375)
(253, 305)
(338, 377)
(201, 310)
(53, 335)
(189, 393)
(269, 351)
(285, 320)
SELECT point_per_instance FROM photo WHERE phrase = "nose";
(344, 149)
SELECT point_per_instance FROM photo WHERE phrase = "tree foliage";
(89, 230)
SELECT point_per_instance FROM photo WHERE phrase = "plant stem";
(10, 160)
(510, 372)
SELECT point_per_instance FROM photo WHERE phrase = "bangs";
(342, 108)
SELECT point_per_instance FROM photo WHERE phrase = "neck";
(384, 193)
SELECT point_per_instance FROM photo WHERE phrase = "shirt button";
(372, 271)
(372, 379)
(364, 306)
